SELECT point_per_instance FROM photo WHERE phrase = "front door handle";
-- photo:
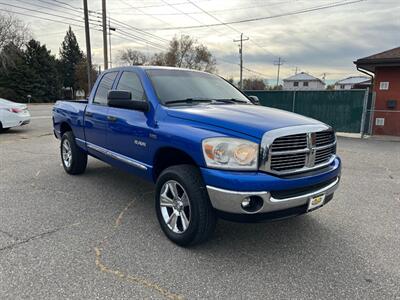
(111, 118)
(88, 114)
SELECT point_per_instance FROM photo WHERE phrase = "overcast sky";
(321, 41)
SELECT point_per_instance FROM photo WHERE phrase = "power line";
(140, 10)
(76, 20)
(40, 12)
(41, 18)
(129, 27)
(140, 38)
(46, 7)
(199, 12)
(134, 39)
(157, 5)
(311, 9)
(244, 68)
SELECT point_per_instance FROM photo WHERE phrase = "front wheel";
(183, 208)
(74, 160)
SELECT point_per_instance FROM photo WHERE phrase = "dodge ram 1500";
(210, 149)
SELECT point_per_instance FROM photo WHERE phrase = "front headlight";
(230, 153)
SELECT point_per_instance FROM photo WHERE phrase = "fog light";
(246, 202)
(252, 203)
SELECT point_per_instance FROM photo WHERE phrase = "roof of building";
(387, 58)
(302, 77)
(354, 80)
(389, 54)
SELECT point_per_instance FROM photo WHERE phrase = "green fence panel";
(275, 99)
(340, 109)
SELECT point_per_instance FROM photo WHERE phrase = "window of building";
(342, 86)
(130, 82)
(384, 85)
(104, 86)
(296, 83)
(305, 83)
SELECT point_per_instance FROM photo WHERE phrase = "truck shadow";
(241, 259)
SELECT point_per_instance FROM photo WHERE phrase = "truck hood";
(252, 120)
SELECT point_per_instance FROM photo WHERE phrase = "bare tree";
(254, 83)
(186, 53)
(132, 57)
(12, 31)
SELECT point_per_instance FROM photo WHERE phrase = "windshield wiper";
(231, 100)
(189, 100)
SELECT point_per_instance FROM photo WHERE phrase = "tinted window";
(130, 82)
(173, 85)
(104, 86)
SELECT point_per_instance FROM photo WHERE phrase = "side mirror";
(254, 100)
(123, 99)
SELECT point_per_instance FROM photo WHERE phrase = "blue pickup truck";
(211, 150)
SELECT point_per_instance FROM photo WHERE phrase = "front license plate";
(316, 202)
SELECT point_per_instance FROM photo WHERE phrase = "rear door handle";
(88, 114)
(111, 118)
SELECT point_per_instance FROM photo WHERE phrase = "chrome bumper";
(231, 201)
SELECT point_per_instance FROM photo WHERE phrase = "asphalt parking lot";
(96, 235)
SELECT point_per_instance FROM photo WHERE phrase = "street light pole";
(241, 58)
(88, 49)
(109, 38)
(104, 19)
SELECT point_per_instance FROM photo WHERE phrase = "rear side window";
(104, 86)
(131, 82)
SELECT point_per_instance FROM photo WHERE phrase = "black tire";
(78, 161)
(3, 129)
(202, 215)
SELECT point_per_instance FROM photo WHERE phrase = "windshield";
(173, 85)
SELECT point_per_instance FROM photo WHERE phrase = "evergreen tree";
(32, 72)
(42, 78)
(12, 74)
(70, 57)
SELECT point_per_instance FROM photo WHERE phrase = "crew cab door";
(96, 114)
(128, 130)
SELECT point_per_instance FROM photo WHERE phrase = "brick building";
(385, 68)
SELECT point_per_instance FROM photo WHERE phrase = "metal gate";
(345, 111)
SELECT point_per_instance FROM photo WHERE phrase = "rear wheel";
(74, 160)
(183, 208)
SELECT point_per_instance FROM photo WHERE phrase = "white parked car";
(13, 114)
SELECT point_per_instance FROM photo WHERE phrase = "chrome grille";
(290, 142)
(309, 147)
(288, 161)
(324, 138)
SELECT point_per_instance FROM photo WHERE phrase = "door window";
(104, 86)
(130, 82)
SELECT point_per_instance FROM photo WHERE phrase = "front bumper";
(227, 190)
(231, 201)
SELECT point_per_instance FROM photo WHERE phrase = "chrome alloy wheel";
(66, 153)
(175, 206)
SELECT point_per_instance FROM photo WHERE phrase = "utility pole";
(109, 38)
(105, 50)
(88, 49)
(278, 63)
(241, 58)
